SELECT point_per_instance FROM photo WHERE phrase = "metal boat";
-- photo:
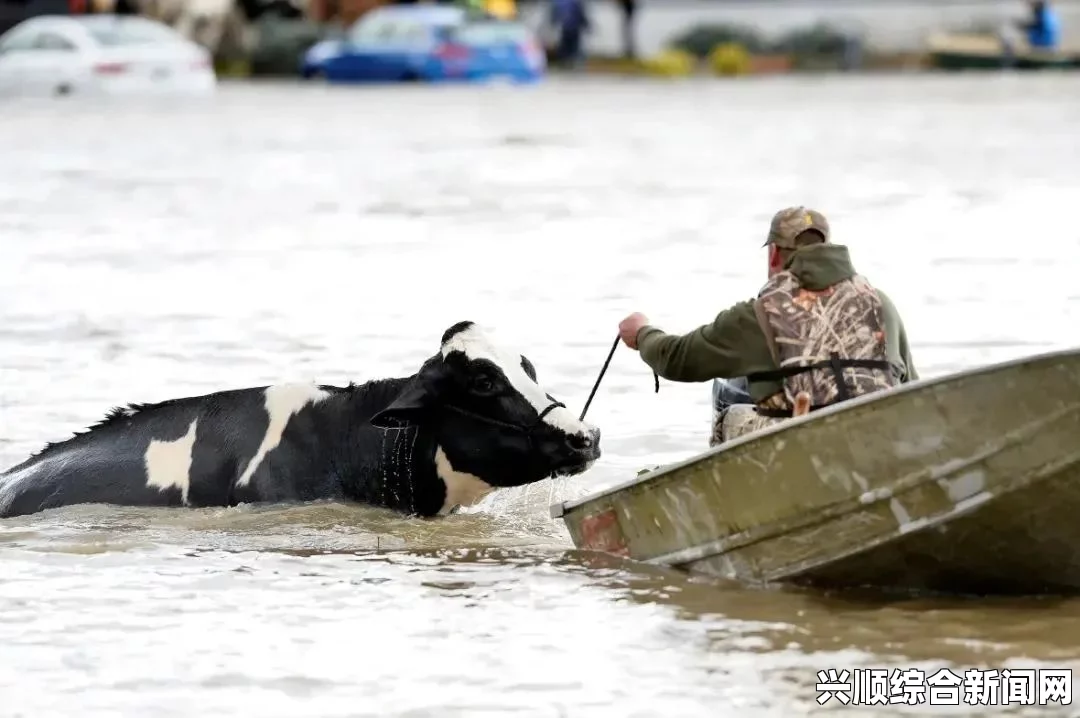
(986, 52)
(966, 483)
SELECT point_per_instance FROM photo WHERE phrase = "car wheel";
(411, 76)
(62, 90)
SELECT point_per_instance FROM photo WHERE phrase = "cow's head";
(489, 416)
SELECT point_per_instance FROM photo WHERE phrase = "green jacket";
(733, 344)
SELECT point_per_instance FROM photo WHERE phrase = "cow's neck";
(462, 488)
(399, 469)
(394, 468)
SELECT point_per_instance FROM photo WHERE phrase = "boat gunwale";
(560, 509)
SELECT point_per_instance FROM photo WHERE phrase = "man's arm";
(905, 353)
(723, 348)
(902, 348)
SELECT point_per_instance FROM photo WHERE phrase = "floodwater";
(161, 249)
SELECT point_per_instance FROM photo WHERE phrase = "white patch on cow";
(474, 344)
(168, 463)
(282, 401)
(461, 489)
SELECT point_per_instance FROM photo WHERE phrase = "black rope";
(524, 428)
(603, 370)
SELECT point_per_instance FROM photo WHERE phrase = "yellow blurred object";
(504, 9)
(232, 68)
(670, 63)
(729, 59)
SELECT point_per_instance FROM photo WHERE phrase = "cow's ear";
(407, 408)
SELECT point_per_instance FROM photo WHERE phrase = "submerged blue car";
(427, 43)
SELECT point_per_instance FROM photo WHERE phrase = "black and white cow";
(471, 420)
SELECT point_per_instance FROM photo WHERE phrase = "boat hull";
(964, 483)
(944, 60)
(987, 52)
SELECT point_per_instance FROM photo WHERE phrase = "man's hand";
(629, 328)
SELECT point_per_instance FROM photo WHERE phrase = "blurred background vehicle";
(101, 54)
(427, 43)
(673, 38)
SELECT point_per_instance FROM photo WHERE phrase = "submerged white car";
(101, 55)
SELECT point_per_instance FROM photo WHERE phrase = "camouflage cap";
(790, 222)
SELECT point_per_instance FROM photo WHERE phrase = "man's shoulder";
(884, 297)
(739, 311)
(892, 314)
(738, 324)
(882, 294)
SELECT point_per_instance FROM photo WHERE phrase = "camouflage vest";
(828, 343)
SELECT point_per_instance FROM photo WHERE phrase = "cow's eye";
(483, 385)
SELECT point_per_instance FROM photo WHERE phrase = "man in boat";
(817, 333)
(1040, 30)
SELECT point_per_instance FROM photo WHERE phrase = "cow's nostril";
(579, 442)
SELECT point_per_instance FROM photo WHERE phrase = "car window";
(412, 32)
(53, 41)
(491, 33)
(114, 32)
(25, 40)
(368, 28)
(389, 30)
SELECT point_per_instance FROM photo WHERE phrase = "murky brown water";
(286, 233)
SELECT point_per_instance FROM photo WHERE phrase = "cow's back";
(183, 452)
